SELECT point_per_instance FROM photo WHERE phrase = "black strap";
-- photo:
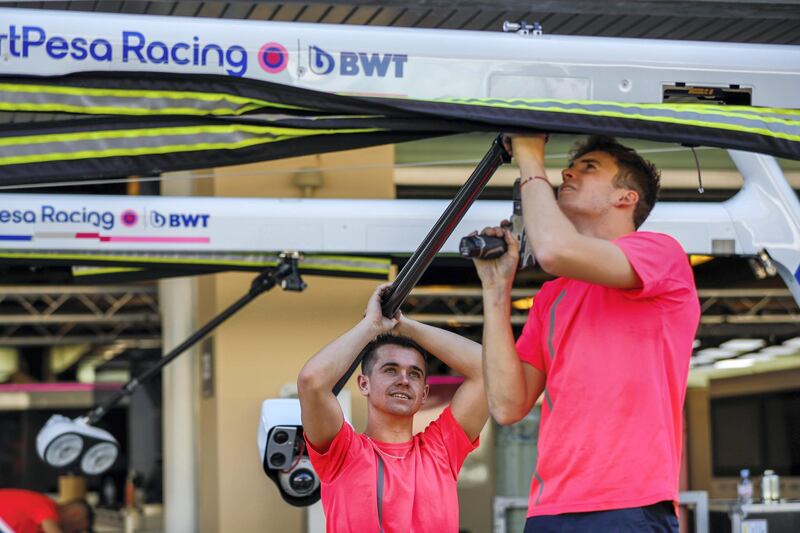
(379, 488)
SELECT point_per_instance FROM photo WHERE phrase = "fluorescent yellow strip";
(130, 111)
(381, 265)
(152, 150)
(142, 93)
(666, 120)
(747, 113)
(178, 130)
(78, 272)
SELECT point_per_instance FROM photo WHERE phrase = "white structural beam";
(408, 62)
(761, 220)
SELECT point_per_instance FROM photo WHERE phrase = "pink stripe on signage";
(87, 235)
(160, 239)
(57, 387)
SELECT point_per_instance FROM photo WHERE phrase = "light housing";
(69, 444)
(282, 452)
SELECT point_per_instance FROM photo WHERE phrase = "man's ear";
(425, 392)
(626, 197)
(363, 384)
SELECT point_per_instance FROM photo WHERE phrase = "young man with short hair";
(388, 479)
(608, 342)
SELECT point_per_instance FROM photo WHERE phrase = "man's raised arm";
(560, 249)
(320, 410)
(512, 386)
(469, 405)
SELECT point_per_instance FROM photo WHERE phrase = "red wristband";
(531, 178)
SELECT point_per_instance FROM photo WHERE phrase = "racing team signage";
(59, 221)
(47, 45)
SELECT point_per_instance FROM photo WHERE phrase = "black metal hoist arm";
(286, 274)
(412, 271)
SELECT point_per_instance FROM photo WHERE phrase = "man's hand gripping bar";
(487, 247)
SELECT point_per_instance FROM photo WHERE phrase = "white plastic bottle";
(745, 488)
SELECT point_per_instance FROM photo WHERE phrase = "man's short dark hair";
(371, 349)
(635, 172)
(81, 502)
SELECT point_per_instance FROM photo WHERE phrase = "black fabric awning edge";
(393, 119)
(155, 165)
(612, 126)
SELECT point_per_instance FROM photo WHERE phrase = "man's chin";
(402, 410)
(568, 206)
(565, 199)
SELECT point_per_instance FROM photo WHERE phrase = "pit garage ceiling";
(775, 22)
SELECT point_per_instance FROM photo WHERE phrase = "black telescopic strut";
(416, 265)
(408, 277)
(286, 273)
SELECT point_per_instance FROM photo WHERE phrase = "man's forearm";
(504, 377)
(329, 364)
(457, 352)
(547, 228)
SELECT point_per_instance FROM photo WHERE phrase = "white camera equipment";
(71, 444)
(62, 441)
(283, 453)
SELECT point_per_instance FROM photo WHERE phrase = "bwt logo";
(178, 220)
(357, 63)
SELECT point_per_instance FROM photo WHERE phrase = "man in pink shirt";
(388, 479)
(608, 342)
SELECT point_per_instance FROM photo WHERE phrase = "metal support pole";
(177, 298)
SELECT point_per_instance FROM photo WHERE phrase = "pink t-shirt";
(617, 363)
(24, 511)
(419, 491)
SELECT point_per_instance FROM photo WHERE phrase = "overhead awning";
(111, 125)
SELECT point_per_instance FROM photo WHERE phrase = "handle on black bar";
(398, 291)
(482, 247)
